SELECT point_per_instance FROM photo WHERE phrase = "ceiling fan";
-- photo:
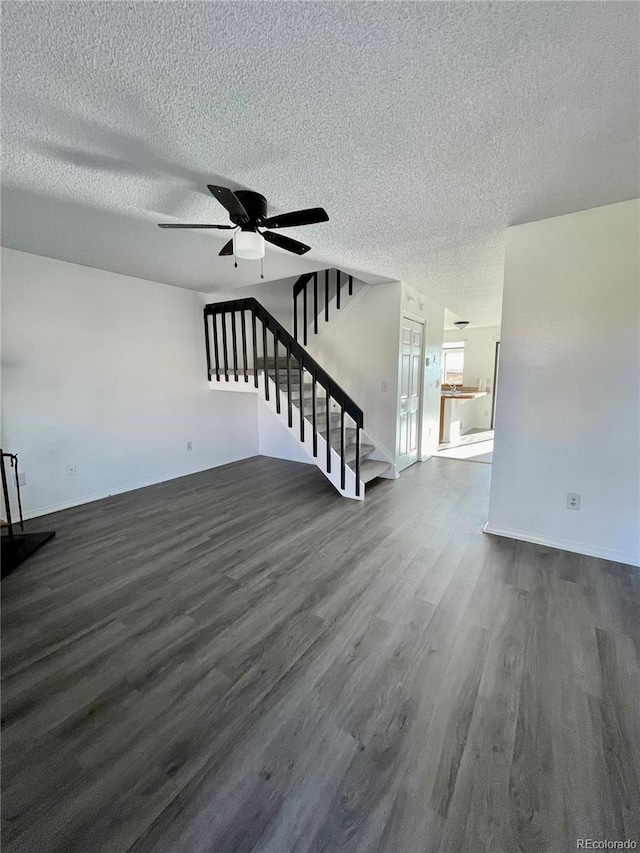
(248, 212)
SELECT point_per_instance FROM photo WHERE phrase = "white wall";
(359, 349)
(568, 405)
(108, 372)
(420, 306)
(479, 356)
(275, 439)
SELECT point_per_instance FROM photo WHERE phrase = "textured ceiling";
(425, 129)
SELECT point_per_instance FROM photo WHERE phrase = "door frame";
(407, 315)
(494, 390)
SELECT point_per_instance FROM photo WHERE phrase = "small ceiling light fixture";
(249, 244)
(461, 324)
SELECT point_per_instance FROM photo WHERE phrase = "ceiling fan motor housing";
(255, 205)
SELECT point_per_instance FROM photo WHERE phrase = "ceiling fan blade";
(227, 249)
(180, 225)
(297, 217)
(229, 200)
(286, 243)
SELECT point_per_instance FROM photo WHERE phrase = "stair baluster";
(224, 347)
(290, 403)
(234, 344)
(343, 472)
(254, 335)
(264, 361)
(243, 327)
(326, 296)
(277, 369)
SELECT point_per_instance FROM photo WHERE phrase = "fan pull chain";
(262, 267)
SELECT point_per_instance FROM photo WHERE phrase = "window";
(452, 363)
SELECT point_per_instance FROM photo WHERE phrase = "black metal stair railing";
(271, 342)
(312, 281)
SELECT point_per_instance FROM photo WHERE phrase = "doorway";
(410, 404)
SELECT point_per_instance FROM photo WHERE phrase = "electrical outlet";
(573, 500)
(72, 470)
(384, 386)
(22, 478)
(189, 445)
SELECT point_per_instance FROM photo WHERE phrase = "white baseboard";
(120, 490)
(615, 556)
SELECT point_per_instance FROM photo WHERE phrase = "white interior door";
(410, 391)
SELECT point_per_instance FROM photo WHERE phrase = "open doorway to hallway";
(470, 358)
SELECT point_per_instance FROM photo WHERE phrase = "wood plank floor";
(241, 660)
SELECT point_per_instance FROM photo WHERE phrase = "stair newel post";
(313, 412)
(338, 285)
(264, 360)
(295, 315)
(342, 462)
(315, 303)
(243, 329)
(350, 285)
(225, 354)
(301, 375)
(254, 337)
(304, 313)
(328, 416)
(326, 296)
(289, 402)
(277, 368)
(234, 345)
(206, 343)
(216, 354)
(357, 472)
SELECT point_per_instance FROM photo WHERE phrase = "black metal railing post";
(295, 315)
(234, 345)
(207, 345)
(289, 402)
(326, 296)
(314, 417)
(328, 417)
(301, 375)
(264, 360)
(342, 459)
(315, 303)
(224, 347)
(216, 354)
(357, 471)
(338, 289)
(254, 335)
(304, 314)
(277, 370)
(243, 327)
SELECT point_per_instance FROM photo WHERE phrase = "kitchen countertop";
(463, 395)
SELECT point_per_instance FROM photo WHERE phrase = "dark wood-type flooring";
(241, 660)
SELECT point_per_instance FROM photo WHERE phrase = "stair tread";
(350, 453)
(372, 468)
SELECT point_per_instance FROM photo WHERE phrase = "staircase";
(315, 294)
(246, 346)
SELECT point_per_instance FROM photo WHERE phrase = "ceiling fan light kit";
(249, 245)
(248, 212)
